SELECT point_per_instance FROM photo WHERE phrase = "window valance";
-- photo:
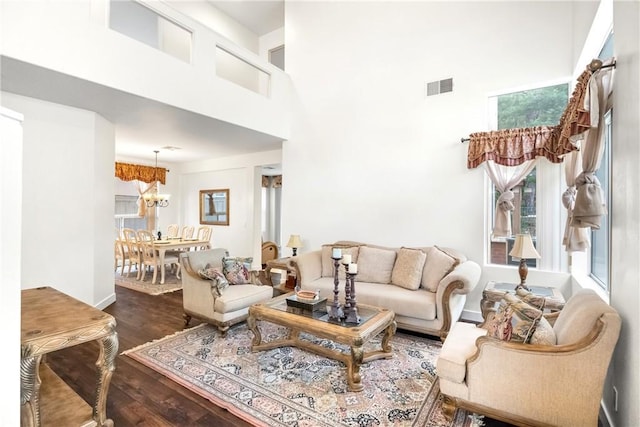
(148, 174)
(512, 147)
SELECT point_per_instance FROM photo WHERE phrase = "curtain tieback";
(587, 178)
(569, 197)
(505, 201)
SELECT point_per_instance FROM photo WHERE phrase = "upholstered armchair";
(533, 384)
(201, 300)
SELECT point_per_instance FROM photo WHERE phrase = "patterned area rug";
(294, 388)
(171, 283)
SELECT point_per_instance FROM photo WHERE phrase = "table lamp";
(523, 248)
(294, 243)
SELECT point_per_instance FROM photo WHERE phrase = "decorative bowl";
(306, 296)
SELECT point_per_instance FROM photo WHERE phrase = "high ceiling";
(143, 125)
(260, 16)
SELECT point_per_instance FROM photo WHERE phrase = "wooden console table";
(52, 320)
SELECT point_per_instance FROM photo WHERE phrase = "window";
(535, 107)
(145, 25)
(126, 209)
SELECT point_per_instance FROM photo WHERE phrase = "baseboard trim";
(106, 302)
(471, 316)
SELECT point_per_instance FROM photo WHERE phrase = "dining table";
(173, 244)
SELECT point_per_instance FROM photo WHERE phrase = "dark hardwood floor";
(139, 396)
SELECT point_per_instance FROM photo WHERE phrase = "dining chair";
(204, 233)
(133, 251)
(150, 257)
(187, 231)
(173, 230)
(121, 255)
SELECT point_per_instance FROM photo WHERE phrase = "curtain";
(512, 147)
(130, 172)
(575, 239)
(142, 190)
(590, 204)
(505, 178)
(274, 181)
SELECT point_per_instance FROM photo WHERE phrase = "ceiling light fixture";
(153, 198)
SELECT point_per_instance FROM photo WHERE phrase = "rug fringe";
(147, 344)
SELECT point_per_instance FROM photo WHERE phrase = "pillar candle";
(346, 259)
(353, 268)
(336, 253)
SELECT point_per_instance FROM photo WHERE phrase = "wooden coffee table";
(374, 320)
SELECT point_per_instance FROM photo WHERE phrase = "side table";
(52, 320)
(284, 265)
(494, 291)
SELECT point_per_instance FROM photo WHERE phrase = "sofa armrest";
(308, 266)
(467, 273)
(451, 293)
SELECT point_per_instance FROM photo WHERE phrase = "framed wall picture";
(214, 207)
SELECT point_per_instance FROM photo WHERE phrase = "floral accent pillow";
(218, 282)
(237, 270)
(538, 301)
(515, 320)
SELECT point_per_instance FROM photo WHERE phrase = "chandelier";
(153, 198)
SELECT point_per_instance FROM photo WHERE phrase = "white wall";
(241, 175)
(10, 255)
(73, 38)
(370, 158)
(67, 200)
(218, 21)
(625, 237)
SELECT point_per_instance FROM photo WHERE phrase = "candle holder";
(350, 309)
(335, 310)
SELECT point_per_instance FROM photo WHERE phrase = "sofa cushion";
(375, 265)
(218, 282)
(515, 320)
(438, 264)
(327, 261)
(241, 297)
(407, 270)
(237, 270)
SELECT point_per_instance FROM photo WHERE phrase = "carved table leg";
(386, 339)
(106, 366)
(253, 327)
(353, 368)
(30, 389)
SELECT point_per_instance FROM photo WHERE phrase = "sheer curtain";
(590, 204)
(575, 239)
(142, 190)
(505, 178)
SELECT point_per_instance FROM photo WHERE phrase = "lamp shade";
(294, 241)
(523, 248)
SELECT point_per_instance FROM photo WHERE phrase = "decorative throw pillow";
(544, 333)
(375, 265)
(218, 282)
(515, 320)
(407, 270)
(327, 261)
(438, 264)
(538, 301)
(237, 270)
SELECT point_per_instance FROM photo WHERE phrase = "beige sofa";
(533, 384)
(426, 287)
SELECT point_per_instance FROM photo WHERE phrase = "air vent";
(171, 148)
(439, 86)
